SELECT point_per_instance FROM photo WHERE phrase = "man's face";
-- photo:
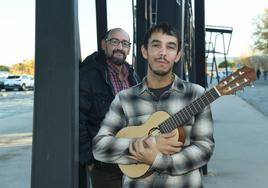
(161, 53)
(116, 48)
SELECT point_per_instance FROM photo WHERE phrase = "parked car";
(20, 82)
(1, 83)
(3, 76)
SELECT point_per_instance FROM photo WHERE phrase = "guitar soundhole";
(154, 132)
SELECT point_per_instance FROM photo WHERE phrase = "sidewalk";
(241, 135)
(16, 150)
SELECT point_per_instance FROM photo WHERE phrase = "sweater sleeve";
(106, 146)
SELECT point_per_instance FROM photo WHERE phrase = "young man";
(102, 75)
(171, 163)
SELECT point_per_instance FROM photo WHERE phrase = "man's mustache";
(119, 51)
(162, 58)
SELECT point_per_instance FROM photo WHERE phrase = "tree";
(261, 33)
(26, 67)
(4, 68)
(230, 64)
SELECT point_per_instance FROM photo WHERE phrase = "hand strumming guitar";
(145, 150)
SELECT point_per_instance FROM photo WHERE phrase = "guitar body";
(150, 127)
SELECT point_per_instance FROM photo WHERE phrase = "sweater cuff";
(161, 162)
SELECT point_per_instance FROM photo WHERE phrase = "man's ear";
(144, 52)
(178, 57)
(103, 44)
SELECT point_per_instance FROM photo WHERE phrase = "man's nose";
(163, 51)
(120, 46)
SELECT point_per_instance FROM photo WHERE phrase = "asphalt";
(16, 150)
(240, 159)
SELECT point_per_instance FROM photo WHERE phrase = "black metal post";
(101, 20)
(199, 66)
(174, 18)
(141, 25)
(55, 131)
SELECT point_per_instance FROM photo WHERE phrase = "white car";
(20, 82)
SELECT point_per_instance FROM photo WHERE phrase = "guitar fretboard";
(185, 114)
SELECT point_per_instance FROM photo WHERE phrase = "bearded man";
(101, 76)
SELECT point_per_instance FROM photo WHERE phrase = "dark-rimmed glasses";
(116, 42)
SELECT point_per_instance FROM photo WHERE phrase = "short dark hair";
(165, 28)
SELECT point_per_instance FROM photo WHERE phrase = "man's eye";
(125, 43)
(156, 45)
(172, 47)
(114, 41)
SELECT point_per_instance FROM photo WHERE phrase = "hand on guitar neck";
(145, 149)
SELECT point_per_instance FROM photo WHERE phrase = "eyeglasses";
(116, 42)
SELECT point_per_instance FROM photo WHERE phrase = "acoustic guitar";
(161, 122)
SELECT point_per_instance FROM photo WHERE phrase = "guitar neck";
(185, 114)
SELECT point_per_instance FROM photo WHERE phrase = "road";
(16, 114)
(257, 95)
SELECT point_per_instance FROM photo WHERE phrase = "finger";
(171, 151)
(168, 135)
(175, 150)
(136, 145)
(141, 143)
(149, 143)
(175, 144)
(131, 149)
(133, 157)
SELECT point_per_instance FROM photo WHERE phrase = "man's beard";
(115, 60)
(118, 61)
(160, 72)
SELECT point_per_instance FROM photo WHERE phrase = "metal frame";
(101, 20)
(218, 31)
(55, 126)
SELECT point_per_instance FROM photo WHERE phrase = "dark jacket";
(95, 96)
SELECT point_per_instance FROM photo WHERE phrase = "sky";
(239, 15)
(17, 23)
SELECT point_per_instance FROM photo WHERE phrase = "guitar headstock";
(236, 81)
